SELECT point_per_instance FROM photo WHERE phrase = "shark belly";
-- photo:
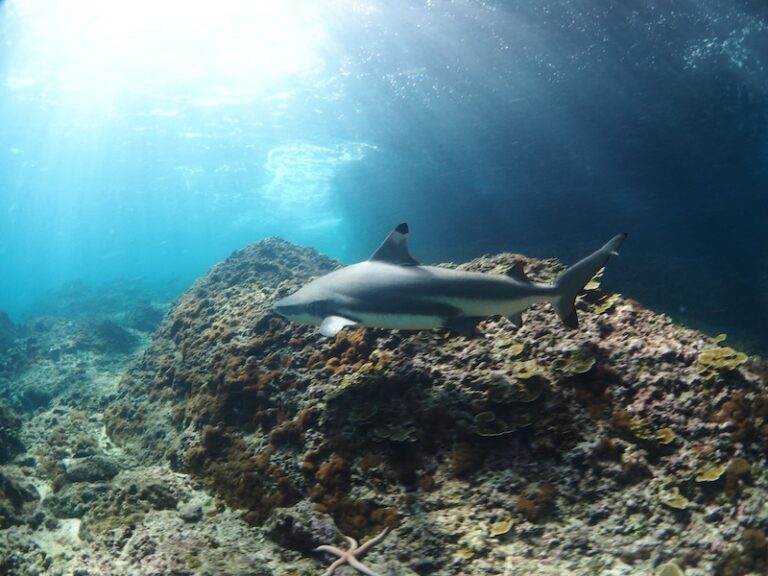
(396, 321)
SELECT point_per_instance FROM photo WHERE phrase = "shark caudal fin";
(573, 280)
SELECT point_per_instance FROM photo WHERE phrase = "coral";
(747, 414)
(466, 459)
(711, 473)
(501, 527)
(737, 473)
(671, 497)
(710, 362)
(525, 369)
(540, 505)
(752, 557)
(488, 423)
(576, 362)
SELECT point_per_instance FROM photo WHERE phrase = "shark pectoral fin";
(466, 326)
(331, 325)
(516, 319)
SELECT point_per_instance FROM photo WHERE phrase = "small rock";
(17, 498)
(191, 512)
(91, 469)
(302, 528)
(714, 514)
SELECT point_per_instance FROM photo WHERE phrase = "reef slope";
(631, 445)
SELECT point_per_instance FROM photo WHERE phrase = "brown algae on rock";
(569, 431)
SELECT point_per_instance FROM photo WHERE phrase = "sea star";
(349, 556)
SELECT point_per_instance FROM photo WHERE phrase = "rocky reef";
(235, 442)
(628, 446)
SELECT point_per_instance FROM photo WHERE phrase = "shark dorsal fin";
(394, 250)
(517, 272)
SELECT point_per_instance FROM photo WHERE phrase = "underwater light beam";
(89, 49)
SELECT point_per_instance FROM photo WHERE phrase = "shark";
(393, 290)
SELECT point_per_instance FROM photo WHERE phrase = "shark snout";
(290, 306)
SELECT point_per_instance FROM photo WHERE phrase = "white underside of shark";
(392, 290)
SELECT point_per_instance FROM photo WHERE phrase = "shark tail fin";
(572, 281)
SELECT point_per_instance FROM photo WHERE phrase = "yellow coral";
(463, 554)
(501, 527)
(665, 435)
(712, 359)
(711, 473)
(639, 427)
(527, 369)
(670, 569)
(513, 348)
(594, 283)
(673, 498)
(577, 363)
(606, 303)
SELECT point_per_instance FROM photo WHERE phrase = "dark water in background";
(151, 151)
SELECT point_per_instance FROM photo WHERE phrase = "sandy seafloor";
(233, 442)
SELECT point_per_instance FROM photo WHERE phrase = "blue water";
(147, 140)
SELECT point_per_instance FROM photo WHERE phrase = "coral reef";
(237, 442)
(542, 442)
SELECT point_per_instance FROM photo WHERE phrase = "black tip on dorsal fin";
(517, 272)
(394, 250)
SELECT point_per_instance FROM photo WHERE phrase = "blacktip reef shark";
(392, 290)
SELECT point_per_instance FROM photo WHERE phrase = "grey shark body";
(392, 290)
